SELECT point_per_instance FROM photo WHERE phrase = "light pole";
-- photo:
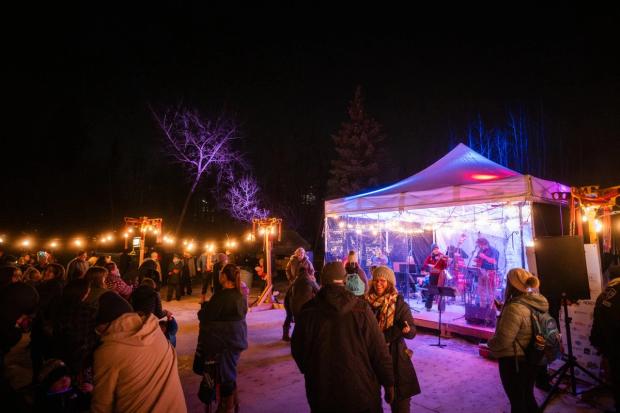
(269, 229)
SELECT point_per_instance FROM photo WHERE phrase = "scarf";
(386, 304)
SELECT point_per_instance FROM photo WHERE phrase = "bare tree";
(242, 200)
(201, 146)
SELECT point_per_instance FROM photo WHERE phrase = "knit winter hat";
(52, 371)
(332, 271)
(384, 272)
(111, 307)
(433, 246)
(522, 280)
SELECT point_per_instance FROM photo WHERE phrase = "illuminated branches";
(200, 146)
(242, 200)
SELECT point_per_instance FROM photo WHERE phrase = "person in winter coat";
(18, 303)
(298, 260)
(605, 334)
(303, 290)
(145, 300)
(55, 392)
(223, 336)
(395, 320)
(74, 335)
(513, 334)
(50, 292)
(76, 268)
(10, 274)
(114, 281)
(96, 276)
(175, 270)
(188, 273)
(351, 266)
(135, 366)
(340, 350)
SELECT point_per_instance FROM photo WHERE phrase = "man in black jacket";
(605, 334)
(339, 348)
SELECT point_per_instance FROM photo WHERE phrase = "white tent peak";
(461, 166)
(462, 176)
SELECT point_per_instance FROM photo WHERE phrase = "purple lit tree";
(242, 200)
(200, 146)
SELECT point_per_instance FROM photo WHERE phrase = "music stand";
(442, 292)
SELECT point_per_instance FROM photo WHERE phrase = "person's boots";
(285, 330)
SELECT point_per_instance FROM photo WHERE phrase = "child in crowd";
(55, 392)
(170, 328)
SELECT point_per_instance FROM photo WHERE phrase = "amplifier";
(475, 314)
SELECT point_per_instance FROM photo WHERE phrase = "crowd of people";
(100, 342)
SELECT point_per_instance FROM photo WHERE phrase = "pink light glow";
(483, 177)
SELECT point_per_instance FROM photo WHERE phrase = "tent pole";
(521, 234)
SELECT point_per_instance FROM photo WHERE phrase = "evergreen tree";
(358, 145)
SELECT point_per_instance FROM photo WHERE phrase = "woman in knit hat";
(395, 320)
(513, 334)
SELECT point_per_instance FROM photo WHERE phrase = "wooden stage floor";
(452, 321)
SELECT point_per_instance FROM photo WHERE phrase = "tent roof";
(462, 176)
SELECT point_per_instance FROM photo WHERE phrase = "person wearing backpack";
(605, 334)
(513, 336)
(352, 268)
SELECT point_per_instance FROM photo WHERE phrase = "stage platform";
(452, 321)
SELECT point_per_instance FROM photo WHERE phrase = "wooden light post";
(144, 225)
(269, 229)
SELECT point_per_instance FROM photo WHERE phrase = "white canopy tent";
(461, 177)
(463, 192)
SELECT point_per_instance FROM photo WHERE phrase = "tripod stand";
(569, 365)
(442, 292)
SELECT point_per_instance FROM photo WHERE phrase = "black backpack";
(546, 343)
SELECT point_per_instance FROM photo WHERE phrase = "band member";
(435, 265)
(456, 264)
(487, 260)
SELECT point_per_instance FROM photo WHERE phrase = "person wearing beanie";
(605, 333)
(55, 392)
(303, 290)
(396, 322)
(513, 335)
(351, 266)
(336, 334)
(297, 261)
(135, 356)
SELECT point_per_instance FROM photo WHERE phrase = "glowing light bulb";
(341, 224)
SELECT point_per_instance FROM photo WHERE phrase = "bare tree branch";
(242, 200)
(201, 146)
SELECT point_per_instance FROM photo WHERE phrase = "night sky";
(81, 149)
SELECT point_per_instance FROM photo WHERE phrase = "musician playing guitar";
(487, 259)
(435, 264)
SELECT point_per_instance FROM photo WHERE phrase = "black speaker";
(474, 314)
(561, 266)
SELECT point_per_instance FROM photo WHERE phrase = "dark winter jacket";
(407, 384)
(222, 326)
(605, 334)
(50, 292)
(217, 269)
(174, 272)
(338, 346)
(146, 300)
(74, 335)
(303, 290)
